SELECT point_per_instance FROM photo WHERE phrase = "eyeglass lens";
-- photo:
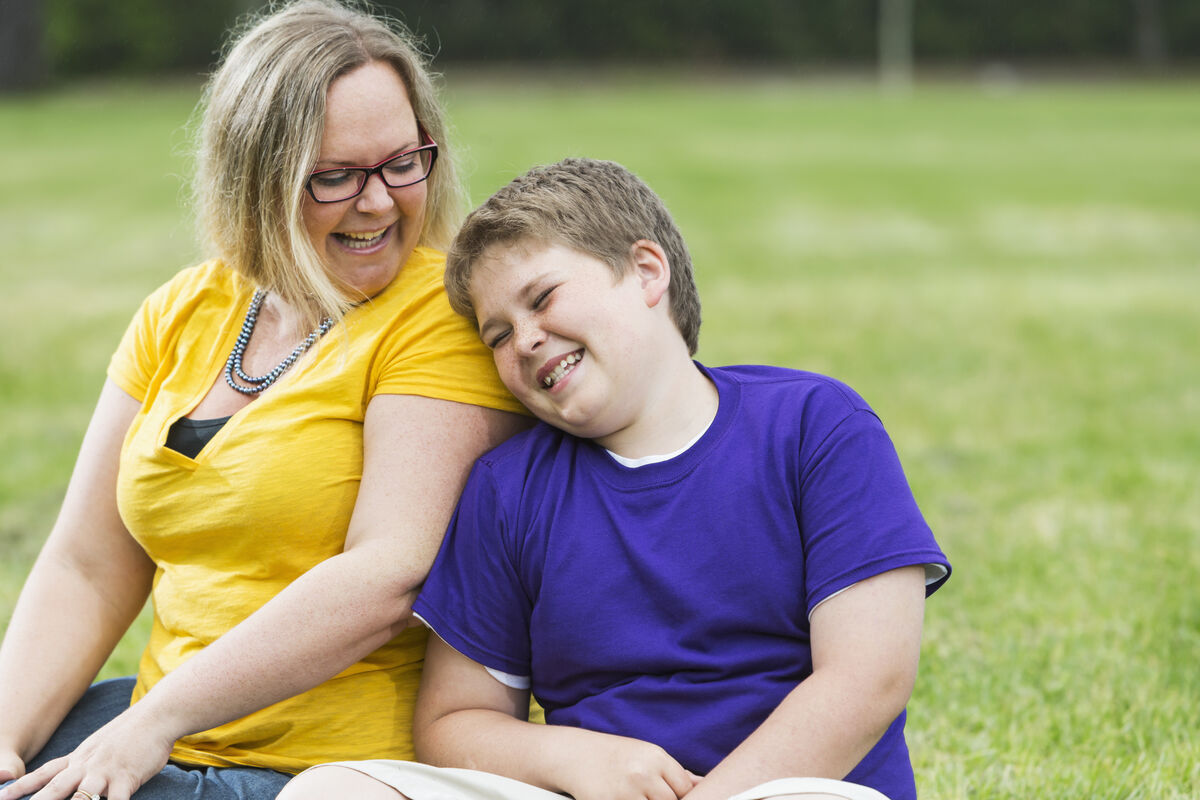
(329, 186)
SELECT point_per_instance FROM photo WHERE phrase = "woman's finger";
(11, 766)
(61, 785)
(33, 781)
(119, 789)
(88, 789)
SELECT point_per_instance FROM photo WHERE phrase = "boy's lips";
(558, 368)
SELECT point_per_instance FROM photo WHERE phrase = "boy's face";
(569, 340)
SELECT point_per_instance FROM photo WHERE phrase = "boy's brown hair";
(596, 207)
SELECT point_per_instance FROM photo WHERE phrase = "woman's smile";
(365, 239)
(362, 241)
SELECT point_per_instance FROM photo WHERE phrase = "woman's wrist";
(156, 716)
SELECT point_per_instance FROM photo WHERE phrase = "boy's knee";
(321, 783)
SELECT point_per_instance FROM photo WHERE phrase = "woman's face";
(366, 239)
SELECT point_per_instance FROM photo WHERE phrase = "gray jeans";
(104, 701)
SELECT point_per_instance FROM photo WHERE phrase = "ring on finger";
(83, 794)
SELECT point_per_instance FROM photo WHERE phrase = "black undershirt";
(188, 436)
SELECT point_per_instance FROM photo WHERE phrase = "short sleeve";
(858, 516)
(433, 352)
(474, 598)
(133, 364)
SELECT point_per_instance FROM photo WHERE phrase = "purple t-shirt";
(670, 602)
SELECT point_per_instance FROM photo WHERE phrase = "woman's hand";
(87, 585)
(619, 768)
(11, 765)
(114, 761)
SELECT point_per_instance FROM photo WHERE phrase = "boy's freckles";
(564, 334)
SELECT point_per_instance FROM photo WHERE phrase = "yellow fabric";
(271, 494)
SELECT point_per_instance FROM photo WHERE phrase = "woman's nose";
(375, 196)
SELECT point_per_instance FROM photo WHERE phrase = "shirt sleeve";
(858, 516)
(474, 598)
(433, 352)
(133, 364)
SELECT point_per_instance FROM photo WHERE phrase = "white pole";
(896, 44)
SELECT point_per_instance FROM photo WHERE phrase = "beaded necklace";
(234, 363)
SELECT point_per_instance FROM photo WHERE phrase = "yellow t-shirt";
(271, 494)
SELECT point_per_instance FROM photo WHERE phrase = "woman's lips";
(362, 240)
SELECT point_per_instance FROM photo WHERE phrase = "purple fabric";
(670, 602)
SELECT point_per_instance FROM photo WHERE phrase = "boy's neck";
(678, 405)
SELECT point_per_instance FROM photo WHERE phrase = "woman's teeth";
(360, 241)
(564, 366)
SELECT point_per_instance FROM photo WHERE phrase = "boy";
(713, 578)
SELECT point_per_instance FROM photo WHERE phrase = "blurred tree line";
(42, 40)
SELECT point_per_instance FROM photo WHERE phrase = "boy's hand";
(618, 768)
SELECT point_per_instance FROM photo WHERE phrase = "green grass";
(1011, 279)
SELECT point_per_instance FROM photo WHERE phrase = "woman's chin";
(366, 277)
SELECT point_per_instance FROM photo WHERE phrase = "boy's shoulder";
(521, 452)
(748, 392)
(538, 436)
(786, 388)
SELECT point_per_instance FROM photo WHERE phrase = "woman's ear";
(652, 269)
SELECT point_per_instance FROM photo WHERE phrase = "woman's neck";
(280, 317)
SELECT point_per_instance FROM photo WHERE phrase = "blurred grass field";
(1011, 278)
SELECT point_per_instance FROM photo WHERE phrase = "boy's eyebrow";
(524, 293)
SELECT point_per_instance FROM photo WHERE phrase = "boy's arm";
(865, 644)
(466, 718)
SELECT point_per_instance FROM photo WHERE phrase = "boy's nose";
(528, 337)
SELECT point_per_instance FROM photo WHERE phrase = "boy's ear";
(652, 269)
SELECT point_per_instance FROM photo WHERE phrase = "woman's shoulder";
(192, 295)
(414, 306)
(416, 292)
(204, 279)
(423, 272)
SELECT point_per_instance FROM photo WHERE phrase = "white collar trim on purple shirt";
(634, 463)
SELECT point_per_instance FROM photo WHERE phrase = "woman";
(276, 452)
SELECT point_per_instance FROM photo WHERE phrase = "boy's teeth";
(561, 370)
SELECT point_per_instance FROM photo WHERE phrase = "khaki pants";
(423, 782)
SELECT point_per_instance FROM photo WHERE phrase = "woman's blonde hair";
(261, 125)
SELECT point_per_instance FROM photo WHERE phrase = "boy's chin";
(579, 429)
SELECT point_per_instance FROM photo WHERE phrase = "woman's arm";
(866, 644)
(87, 585)
(466, 718)
(417, 453)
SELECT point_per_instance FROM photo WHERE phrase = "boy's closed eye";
(495, 341)
(542, 297)
(537, 304)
